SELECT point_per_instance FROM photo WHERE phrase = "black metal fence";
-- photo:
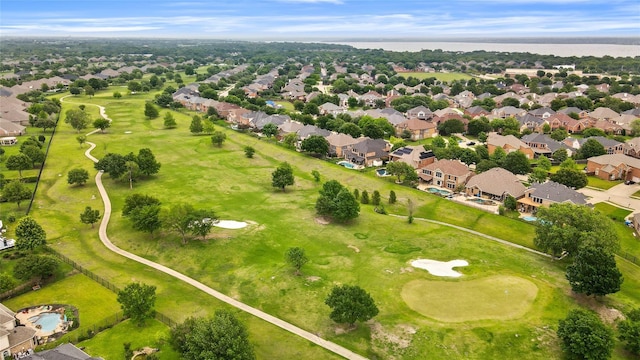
(46, 155)
(632, 258)
(85, 271)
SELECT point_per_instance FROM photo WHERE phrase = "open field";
(248, 264)
(445, 77)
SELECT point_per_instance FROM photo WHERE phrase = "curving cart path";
(102, 232)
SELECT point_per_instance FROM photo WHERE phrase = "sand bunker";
(440, 268)
(230, 224)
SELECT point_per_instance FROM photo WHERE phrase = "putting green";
(499, 297)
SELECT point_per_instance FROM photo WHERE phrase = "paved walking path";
(102, 232)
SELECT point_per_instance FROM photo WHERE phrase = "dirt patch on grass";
(321, 220)
(391, 340)
(354, 248)
(407, 270)
(607, 315)
(313, 278)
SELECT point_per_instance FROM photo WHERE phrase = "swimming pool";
(48, 321)
(382, 172)
(529, 218)
(439, 191)
(347, 164)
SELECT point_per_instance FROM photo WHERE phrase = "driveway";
(619, 195)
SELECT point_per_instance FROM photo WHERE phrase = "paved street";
(619, 195)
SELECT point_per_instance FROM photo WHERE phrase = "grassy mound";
(495, 297)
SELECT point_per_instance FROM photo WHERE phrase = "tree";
(15, 191)
(468, 156)
(218, 137)
(593, 132)
(560, 155)
(336, 201)
(34, 153)
(510, 202)
(316, 175)
(137, 301)
(517, 163)
(19, 162)
(6, 283)
(77, 176)
(373, 131)
(35, 266)
(544, 163)
(179, 218)
(351, 129)
(117, 95)
(350, 304)
(220, 337)
(629, 331)
(196, 125)
(364, 198)
(499, 155)
(169, 121)
(78, 119)
(594, 271)
(451, 126)
(401, 170)
(29, 234)
(249, 151)
(570, 177)
(202, 222)
(538, 175)
(484, 165)
(74, 90)
(375, 198)
(270, 130)
(315, 144)
(591, 148)
(568, 227)
(147, 162)
(150, 111)
(146, 218)
(102, 124)
(81, 139)
(46, 124)
(90, 216)
(584, 336)
(282, 176)
(635, 127)
(113, 164)
(135, 201)
(392, 197)
(296, 257)
(559, 134)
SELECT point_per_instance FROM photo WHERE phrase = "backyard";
(248, 264)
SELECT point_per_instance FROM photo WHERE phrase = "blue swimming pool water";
(382, 172)
(529, 218)
(438, 191)
(347, 164)
(47, 320)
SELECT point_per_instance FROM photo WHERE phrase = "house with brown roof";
(416, 156)
(542, 144)
(419, 129)
(548, 193)
(603, 113)
(564, 121)
(495, 184)
(448, 174)
(420, 112)
(608, 127)
(509, 144)
(368, 152)
(614, 167)
(632, 147)
(14, 339)
(339, 143)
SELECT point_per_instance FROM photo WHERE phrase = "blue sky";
(319, 19)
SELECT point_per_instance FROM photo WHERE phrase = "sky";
(320, 19)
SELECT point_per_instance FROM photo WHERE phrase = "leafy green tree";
(517, 163)
(34, 153)
(350, 304)
(29, 234)
(135, 201)
(591, 148)
(137, 301)
(584, 336)
(316, 175)
(179, 218)
(538, 175)
(364, 197)
(296, 257)
(6, 283)
(150, 111)
(290, 140)
(629, 331)
(218, 137)
(196, 125)
(221, 337)
(113, 164)
(356, 194)
(117, 95)
(146, 218)
(15, 191)
(635, 127)
(375, 198)
(392, 197)
(451, 126)
(270, 130)
(482, 137)
(169, 121)
(559, 134)
(81, 139)
(560, 155)
(570, 177)
(77, 176)
(485, 165)
(282, 176)
(510, 202)
(350, 129)
(102, 124)
(19, 162)
(336, 201)
(402, 171)
(594, 271)
(147, 162)
(499, 155)
(593, 132)
(90, 216)
(544, 163)
(46, 124)
(568, 227)
(373, 131)
(78, 119)
(249, 151)
(35, 266)
(202, 223)
(315, 144)
(439, 142)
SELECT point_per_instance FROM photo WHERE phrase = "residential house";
(603, 113)
(8, 128)
(61, 352)
(610, 146)
(309, 130)
(509, 144)
(445, 173)
(288, 127)
(630, 98)
(564, 121)
(370, 97)
(476, 111)
(542, 113)
(416, 156)
(420, 112)
(530, 122)
(542, 144)
(614, 167)
(508, 111)
(548, 193)
(608, 127)
(569, 110)
(632, 147)
(636, 222)
(330, 108)
(14, 339)
(419, 129)
(368, 152)
(339, 143)
(495, 184)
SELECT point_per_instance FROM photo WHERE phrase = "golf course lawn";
(446, 77)
(248, 264)
(496, 297)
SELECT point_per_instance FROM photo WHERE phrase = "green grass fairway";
(440, 76)
(497, 297)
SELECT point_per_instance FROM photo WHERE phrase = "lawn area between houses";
(445, 77)
(248, 264)
(596, 182)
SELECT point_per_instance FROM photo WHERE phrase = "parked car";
(629, 182)
(471, 143)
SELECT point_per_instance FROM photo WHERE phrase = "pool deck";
(462, 199)
(34, 311)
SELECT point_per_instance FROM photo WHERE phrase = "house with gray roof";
(448, 174)
(339, 143)
(548, 193)
(61, 352)
(416, 156)
(542, 144)
(309, 130)
(495, 184)
(610, 146)
(368, 152)
(8, 128)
